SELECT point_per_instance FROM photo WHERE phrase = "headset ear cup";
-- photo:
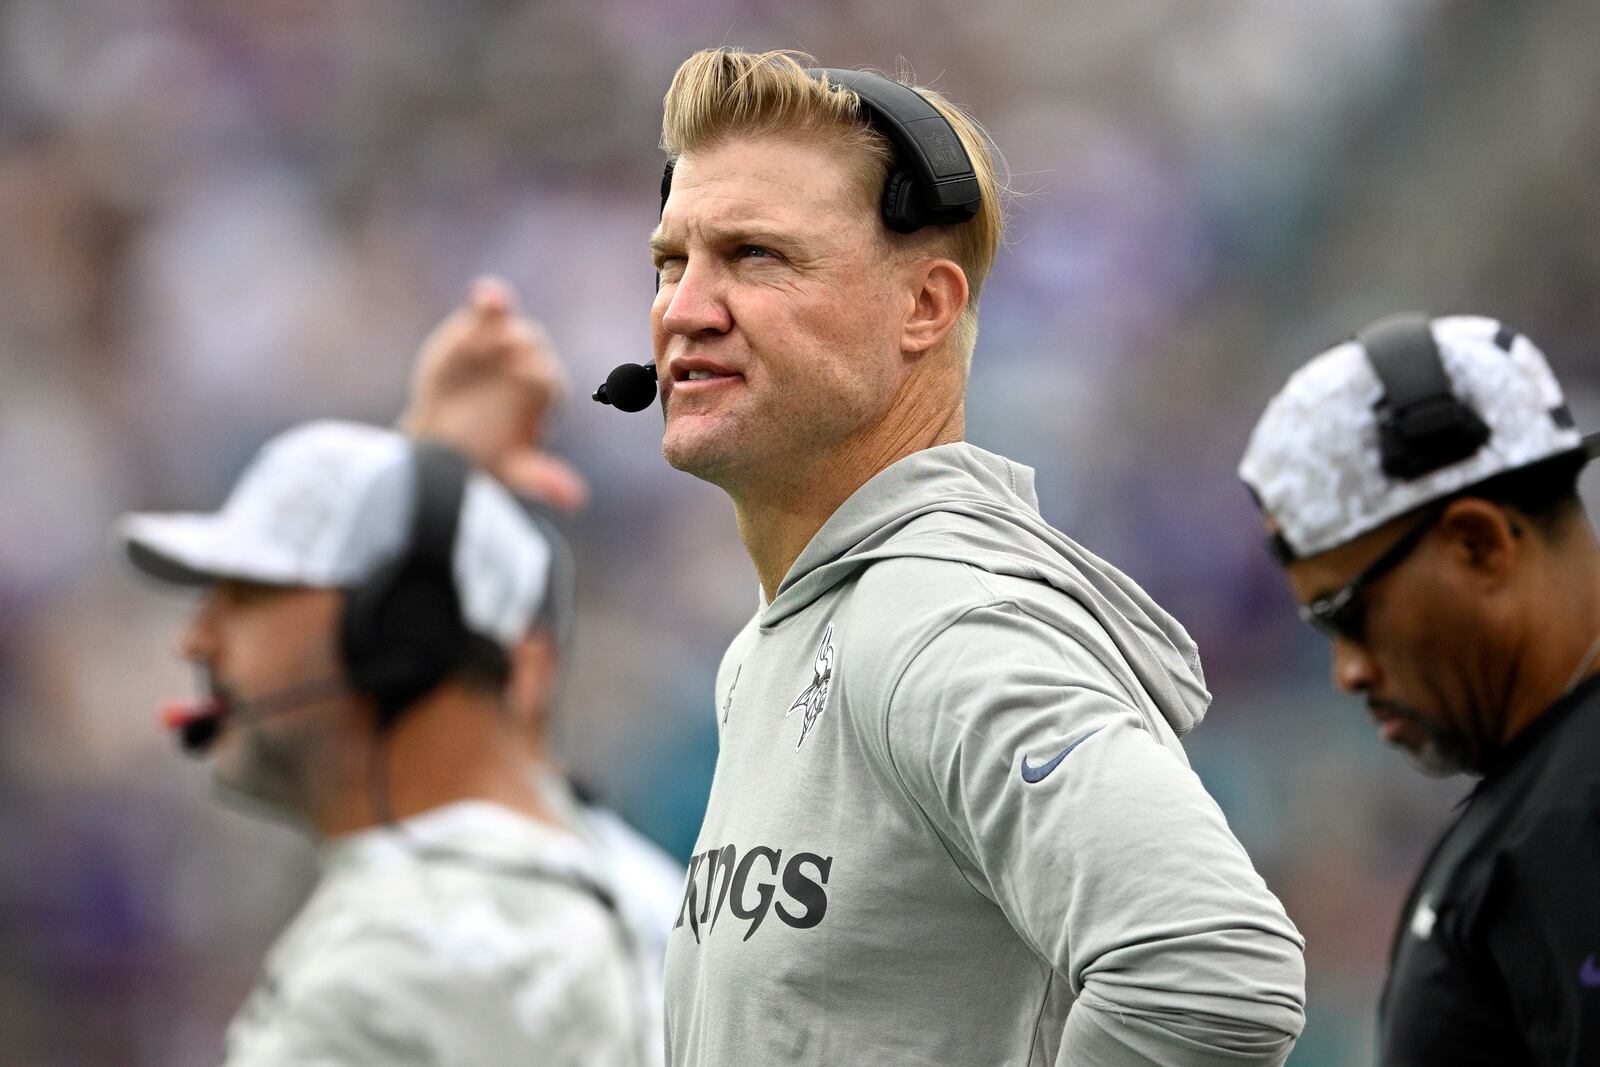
(902, 203)
(401, 635)
(358, 626)
(361, 639)
(1423, 424)
(402, 630)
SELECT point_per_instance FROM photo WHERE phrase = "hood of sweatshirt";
(959, 503)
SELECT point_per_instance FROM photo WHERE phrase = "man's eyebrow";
(659, 243)
(662, 243)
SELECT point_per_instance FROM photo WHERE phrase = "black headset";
(1422, 424)
(402, 631)
(932, 181)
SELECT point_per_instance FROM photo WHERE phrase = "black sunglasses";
(1342, 613)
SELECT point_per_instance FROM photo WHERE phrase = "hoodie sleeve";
(1099, 844)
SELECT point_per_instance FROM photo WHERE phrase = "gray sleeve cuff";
(1108, 1038)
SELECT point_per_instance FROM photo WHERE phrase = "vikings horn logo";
(814, 700)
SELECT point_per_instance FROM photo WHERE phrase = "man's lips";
(696, 375)
(696, 386)
(1393, 723)
(689, 368)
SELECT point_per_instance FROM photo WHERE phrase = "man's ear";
(531, 689)
(1485, 537)
(938, 290)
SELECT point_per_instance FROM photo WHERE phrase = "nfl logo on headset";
(946, 154)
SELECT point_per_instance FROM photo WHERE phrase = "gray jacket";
(951, 820)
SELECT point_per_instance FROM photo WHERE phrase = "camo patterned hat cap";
(325, 504)
(1314, 462)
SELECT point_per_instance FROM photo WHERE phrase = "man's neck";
(779, 517)
(455, 744)
(1558, 651)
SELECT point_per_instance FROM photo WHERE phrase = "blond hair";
(723, 93)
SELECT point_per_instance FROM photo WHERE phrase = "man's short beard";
(1444, 754)
(270, 777)
(1436, 759)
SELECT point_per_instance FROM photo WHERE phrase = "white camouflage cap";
(326, 504)
(1314, 461)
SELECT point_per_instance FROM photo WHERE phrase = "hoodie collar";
(945, 472)
(957, 502)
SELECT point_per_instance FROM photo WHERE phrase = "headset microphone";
(631, 387)
(198, 723)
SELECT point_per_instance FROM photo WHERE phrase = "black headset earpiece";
(932, 181)
(402, 631)
(1422, 424)
(899, 204)
(666, 188)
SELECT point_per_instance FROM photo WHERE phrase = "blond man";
(951, 821)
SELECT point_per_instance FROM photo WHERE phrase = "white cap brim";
(200, 548)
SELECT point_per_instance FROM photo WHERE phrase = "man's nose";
(695, 302)
(1353, 668)
(198, 641)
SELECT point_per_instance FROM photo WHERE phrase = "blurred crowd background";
(220, 218)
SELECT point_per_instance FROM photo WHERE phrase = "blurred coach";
(1419, 484)
(951, 820)
(364, 596)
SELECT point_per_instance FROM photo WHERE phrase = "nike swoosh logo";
(1589, 973)
(1039, 773)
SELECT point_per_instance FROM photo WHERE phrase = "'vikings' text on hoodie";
(951, 821)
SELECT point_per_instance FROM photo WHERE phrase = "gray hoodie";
(951, 820)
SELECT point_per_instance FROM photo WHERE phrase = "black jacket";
(1497, 956)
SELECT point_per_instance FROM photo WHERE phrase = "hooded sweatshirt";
(951, 821)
